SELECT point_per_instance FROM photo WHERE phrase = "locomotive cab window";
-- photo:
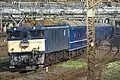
(36, 33)
(9, 33)
(40, 33)
(25, 34)
(33, 33)
(15, 34)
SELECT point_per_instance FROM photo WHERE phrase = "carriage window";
(39, 33)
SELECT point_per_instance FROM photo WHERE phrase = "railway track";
(55, 73)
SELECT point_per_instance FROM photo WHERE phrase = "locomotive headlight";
(33, 27)
(14, 29)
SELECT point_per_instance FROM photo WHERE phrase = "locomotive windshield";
(25, 34)
(32, 33)
(38, 33)
(15, 34)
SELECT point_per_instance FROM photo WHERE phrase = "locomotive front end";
(26, 46)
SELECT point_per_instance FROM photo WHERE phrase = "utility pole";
(91, 36)
(1, 19)
(90, 40)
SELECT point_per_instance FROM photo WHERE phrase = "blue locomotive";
(46, 45)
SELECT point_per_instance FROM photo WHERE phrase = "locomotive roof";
(54, 26)
(49, 23)
(38, 27)
(72, 23)
(19, 28)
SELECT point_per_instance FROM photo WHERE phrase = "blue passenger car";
(102, 31)
(77, 37)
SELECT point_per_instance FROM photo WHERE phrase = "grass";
(111, 71)
(73, 64)
(4, 59)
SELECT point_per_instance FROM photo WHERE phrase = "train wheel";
(66, 55)
(46, 61)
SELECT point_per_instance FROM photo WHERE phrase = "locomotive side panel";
(56, 39)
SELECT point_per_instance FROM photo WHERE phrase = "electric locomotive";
(29, 46)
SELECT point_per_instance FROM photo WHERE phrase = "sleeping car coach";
(46, 45)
